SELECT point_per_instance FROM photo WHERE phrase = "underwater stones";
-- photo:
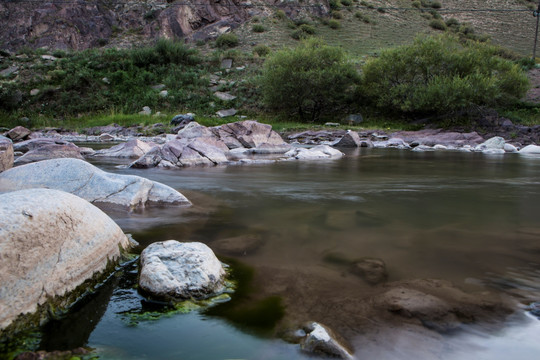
(239, 245)
(171, 270)
(6, 153)
(92, 184)
(321, 340)
(51, 242)
(371, 270)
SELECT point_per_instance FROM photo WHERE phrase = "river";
(467, 218)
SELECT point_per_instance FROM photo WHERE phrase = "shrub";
(280, 14)
(227, 40)
(437, 75)
(337, 15)
(346, 2)
(452, 22)
(437, 24)
(258, 28)
(261, 50)
(334, 24)
(334, 4)
(365, 18)
(303, 32)
(309, 80)
(417, 4)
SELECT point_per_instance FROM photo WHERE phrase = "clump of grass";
(261, 50)
(303, 32)
(280, 14)
(334, 24)
(258, 28)
(227, 40)
(438, 24)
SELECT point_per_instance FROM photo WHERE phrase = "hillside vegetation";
(65, 88)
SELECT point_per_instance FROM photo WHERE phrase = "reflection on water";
(468, 218)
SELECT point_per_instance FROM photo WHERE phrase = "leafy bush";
(437, 24)
(280, 14)
(334, 24)
(346, 2)
(309, 80)
(303, 32)
(437, 75)
(258, 28)
(227, 40)
(334, 4)
(337, 15)
(261, 50)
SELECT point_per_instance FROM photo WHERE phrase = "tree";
(309, 80)
(439, 75)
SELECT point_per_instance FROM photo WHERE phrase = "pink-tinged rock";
(132, 149)
(18, 133)
(6, 153)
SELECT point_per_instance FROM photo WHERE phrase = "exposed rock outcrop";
(6, 153)
(321, 340)
(84, 24)
(51, 242)
(90, 183)
(171, 270)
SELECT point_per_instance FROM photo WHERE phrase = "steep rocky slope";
(81, 24)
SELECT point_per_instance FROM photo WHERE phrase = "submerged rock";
(321, 340)
(370, 269)
(239, 245)
(6, 153)
(51, 242)
(92, 184)
(171, 270)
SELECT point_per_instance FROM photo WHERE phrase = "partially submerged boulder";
(321, 340)
(530, 150)
(6, 153)
(315, 153)
(50, 150)
(92, 184)
(175, 271)
(249, 134)
(132, 149)
(350, 139)
(51, 242)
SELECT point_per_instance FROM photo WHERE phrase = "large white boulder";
(172, 270)
(51, 242)
(315, 153)
(530, 150)
(92, 184)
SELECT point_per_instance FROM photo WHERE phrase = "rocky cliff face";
(82, 24)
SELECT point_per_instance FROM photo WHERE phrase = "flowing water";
(467, 218)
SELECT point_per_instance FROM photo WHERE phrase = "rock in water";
(351, 139)
(171, 270)
(370, 269)
(133, 149)
(530, 150)
(6, 153)
(50, 151)
(18, 133)
(92, 184)
(321, 340)
(50, 243)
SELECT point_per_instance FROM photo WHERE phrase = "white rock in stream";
(172, 270)
(530, 150)
(315, 153)
(321, 340)
(92, 184)
(50, 243)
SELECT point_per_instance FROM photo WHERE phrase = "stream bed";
(467, 218)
